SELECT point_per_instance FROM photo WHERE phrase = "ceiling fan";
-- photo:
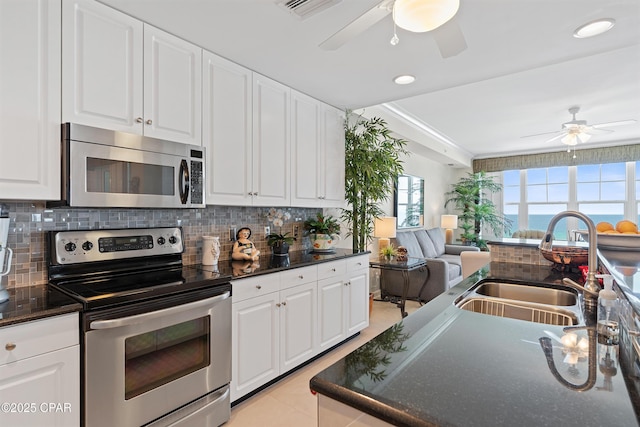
(418, 16)
(575, 131)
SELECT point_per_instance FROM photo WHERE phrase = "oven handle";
(139, 318)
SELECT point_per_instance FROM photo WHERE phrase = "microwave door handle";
(183, 182)
(145, 317)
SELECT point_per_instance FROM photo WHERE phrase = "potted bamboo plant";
(372, 165)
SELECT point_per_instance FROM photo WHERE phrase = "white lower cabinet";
(40, 372)
(279, 318)
(343, 291)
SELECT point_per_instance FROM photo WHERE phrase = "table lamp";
(449, 223)
(384, 228)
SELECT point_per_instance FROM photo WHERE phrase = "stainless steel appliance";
(156, 335)
(104, 168)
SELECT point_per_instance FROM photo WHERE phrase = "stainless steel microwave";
(105, 168)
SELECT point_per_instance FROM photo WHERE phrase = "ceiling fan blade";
(543, 133)
(611, 124)
(358, 25)
(556, 137)
(449, 38)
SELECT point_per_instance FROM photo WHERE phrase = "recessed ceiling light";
(404, 79)
(594, 28)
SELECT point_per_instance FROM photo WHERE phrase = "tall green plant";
(372, 163)
(470, 196)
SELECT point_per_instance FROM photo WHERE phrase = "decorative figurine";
(243, 248)
(401, 253)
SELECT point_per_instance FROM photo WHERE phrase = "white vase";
(210, 250)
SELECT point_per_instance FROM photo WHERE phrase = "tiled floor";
(289, 402)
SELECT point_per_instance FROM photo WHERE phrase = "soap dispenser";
(607, 308)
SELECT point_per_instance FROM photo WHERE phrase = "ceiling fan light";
(420, 16)
(569, 139)
(594, 28)
(584, 137)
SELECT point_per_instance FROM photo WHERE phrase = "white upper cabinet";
(172, 87)
(227, 123)
(333, 155)
(101, 67)
(271, 142)
(30, 99)
(246, 134)
(121, 74)
(318, 153)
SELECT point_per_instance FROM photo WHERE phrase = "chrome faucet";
(591, 288)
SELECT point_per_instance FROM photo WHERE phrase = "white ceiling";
(520, 73)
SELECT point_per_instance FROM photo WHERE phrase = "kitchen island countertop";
(445, 366)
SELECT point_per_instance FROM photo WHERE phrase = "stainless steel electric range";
(156, 335)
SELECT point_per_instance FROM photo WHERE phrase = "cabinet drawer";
(38, 337)
(255, 286)
(331, 269)
(298, 276)
(357, 263)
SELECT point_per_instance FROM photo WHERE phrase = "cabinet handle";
(139, 120)
(284, 303)
(255, 194)
(333, 269)
(277, 304)
(258, 287)
(359, 263)
(149, 122)
(10, 346)
(301, 276)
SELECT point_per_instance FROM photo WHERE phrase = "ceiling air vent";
(306, 8)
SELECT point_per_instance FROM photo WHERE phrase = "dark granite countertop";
(271, 264)
(35, 302)
(450, 367)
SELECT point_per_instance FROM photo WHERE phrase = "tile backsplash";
(31, 221)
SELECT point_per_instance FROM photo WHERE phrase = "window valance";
(620, 153)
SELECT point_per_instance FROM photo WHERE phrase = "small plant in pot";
(388, 252)
(323, 232)
(279, 242)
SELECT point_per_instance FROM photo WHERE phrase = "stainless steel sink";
(536, 294)
(534, 303)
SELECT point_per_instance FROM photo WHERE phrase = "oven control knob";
(161, 240)
(173, 240)
(70, 247)
(87, 246)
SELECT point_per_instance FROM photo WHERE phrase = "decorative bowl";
(566, 255)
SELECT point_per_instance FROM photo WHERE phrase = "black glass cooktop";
(117, 289)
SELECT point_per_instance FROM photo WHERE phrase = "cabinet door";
(101, 67)
(306, 153)
(30, 99)
(357, 302)
(271, 151)
(227, 125)
(50, 378)
(298, 325)
(332, 168)
(255, 344)
(172, 87)
(331, 312)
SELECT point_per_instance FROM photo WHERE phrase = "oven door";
(107, 176)
(140, 367)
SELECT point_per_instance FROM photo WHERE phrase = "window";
(511, 198)
(533, 196)
(409, 206)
